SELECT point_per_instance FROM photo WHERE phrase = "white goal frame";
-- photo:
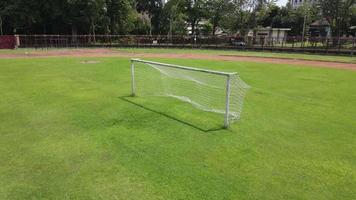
(218, 73)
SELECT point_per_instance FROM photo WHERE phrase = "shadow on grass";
(126, 99)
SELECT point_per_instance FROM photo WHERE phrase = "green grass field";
(69, 131)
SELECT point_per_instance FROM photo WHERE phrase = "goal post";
(208, 90)
(227, 102)
(132, 78)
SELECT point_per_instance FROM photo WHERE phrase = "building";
(272, 34)
(267, 35)
(320, 28)
(297, 3)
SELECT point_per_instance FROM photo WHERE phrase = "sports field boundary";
(100, 52)
(300, 59)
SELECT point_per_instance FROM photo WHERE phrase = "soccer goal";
(208, 90)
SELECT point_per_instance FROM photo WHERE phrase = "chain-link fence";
(336, 45)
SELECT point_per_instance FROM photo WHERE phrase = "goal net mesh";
(203, 90)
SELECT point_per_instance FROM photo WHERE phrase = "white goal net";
(208, 90)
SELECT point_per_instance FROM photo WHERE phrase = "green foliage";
(236, 19)
(295, 18)
(70, 16)
(216, 10)
(207, 29)
(118, 13)
(339, 13)
(196, 12)
(174, 17)
(154, 9)
(141, 25)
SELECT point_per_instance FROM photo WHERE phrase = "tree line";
(175, 17)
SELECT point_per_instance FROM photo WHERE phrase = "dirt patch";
(114, 53)
(89, 62)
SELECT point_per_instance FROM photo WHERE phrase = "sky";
(282, 2)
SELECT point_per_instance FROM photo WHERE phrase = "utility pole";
(306, 11)
(171, 28)
(1, 33)
(338, 22)
(303, 34)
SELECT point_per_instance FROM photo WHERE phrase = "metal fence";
(336, 45)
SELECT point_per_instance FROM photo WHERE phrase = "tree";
(66, 16)
(19, 14)
(216, 10)
(269, 16)
(195, 13)
(76, 15)
(141, 25)
(93, 11)
(3, 12)
(154, 9)
(130, 16)
(119, 13)
(237, 17)
(352, 20)
(337, 12)
(174, 18)
(255, 8)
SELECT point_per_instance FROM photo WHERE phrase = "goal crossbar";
(184, 68)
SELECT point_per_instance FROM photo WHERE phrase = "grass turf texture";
(67, 131)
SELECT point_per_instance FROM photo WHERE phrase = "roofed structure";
(320, 28)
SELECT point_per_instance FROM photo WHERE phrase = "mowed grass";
(301, 56)
(69, 131)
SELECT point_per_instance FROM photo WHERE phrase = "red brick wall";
(7, 42)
